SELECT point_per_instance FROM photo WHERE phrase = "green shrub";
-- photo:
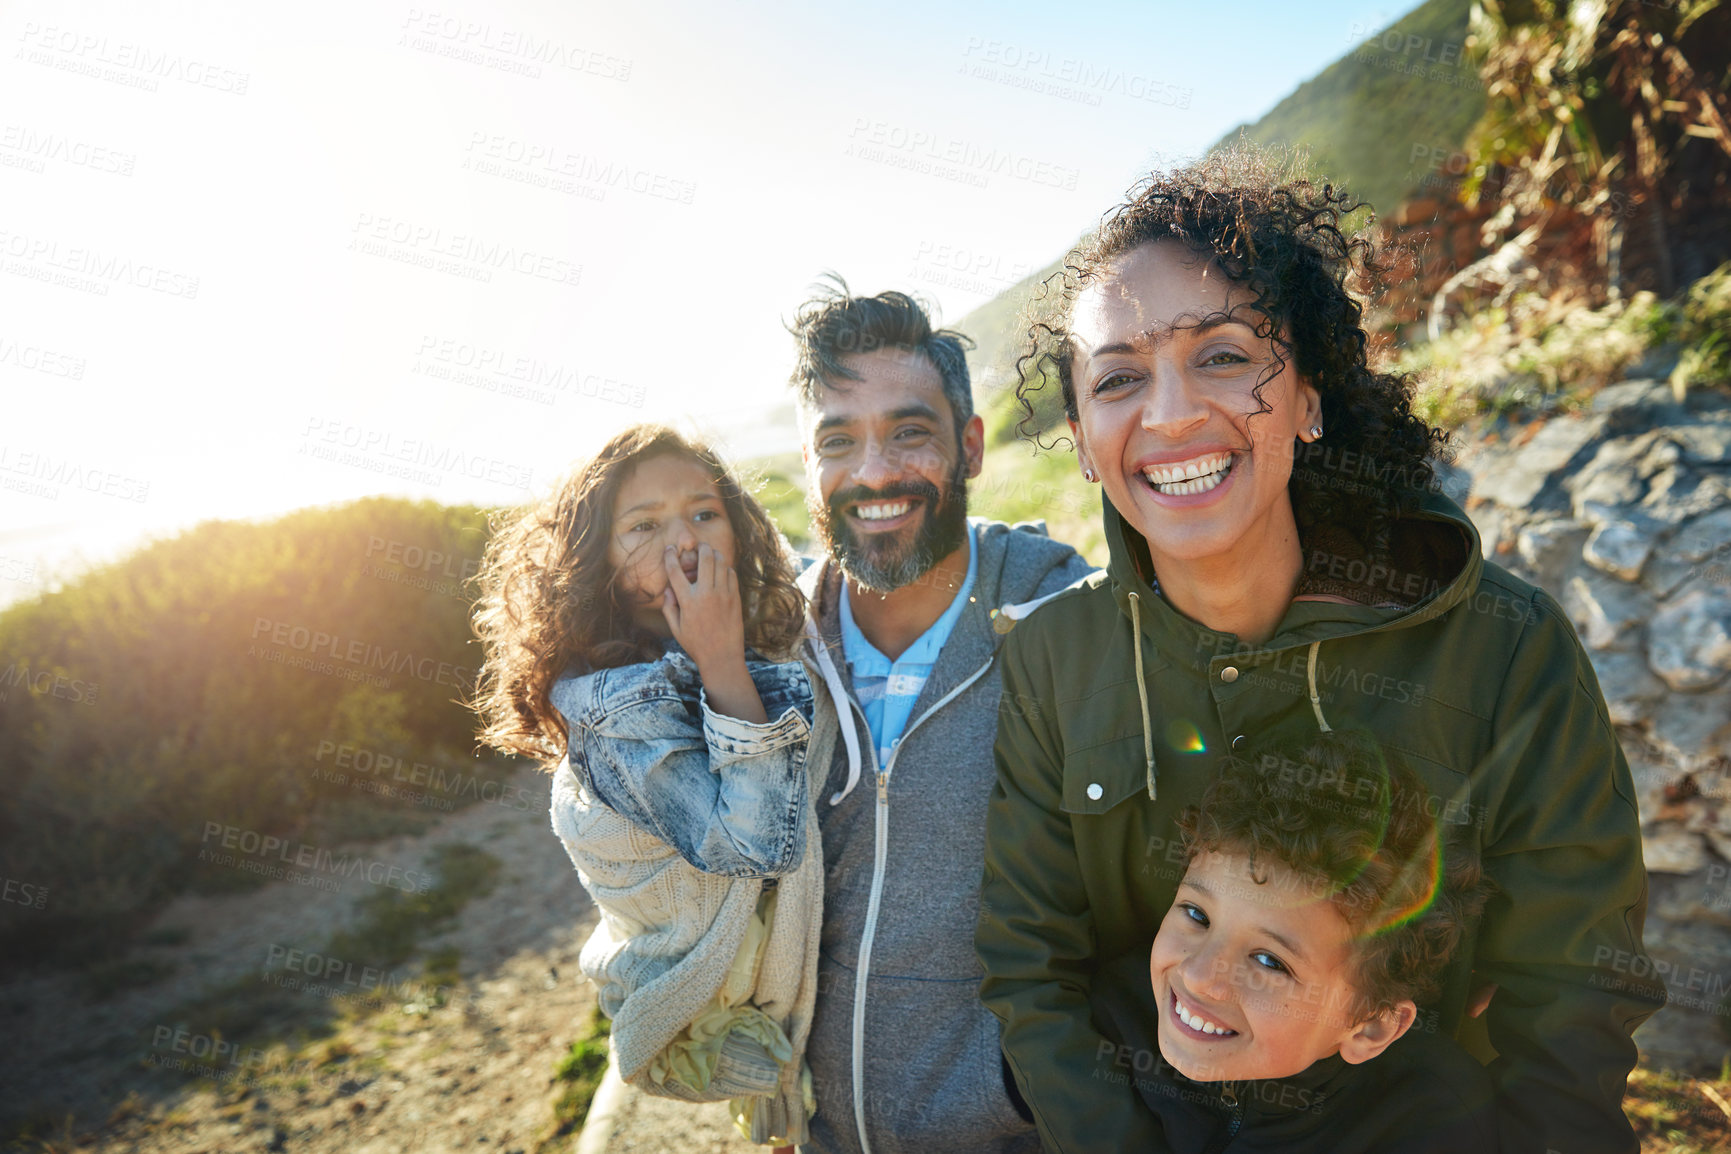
(779, 485)
(578, 1076)
(1702, 323)
(179, 687)
(1534, 354)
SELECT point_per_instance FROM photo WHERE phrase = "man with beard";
(908, 606)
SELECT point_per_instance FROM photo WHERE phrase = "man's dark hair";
(835, 324)
(1336, 812)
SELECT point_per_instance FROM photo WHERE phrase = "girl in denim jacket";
(640, 627)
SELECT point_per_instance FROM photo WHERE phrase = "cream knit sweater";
(667, 941)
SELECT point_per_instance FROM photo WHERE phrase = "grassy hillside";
(1020, 483)
(294, 680)
(1386, 117)
(1000, 331)
(1388, 114)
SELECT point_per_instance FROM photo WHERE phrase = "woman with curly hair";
(640, 627)
(1282, 562)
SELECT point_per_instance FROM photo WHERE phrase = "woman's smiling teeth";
(1197, 1022)
(882, 511)
(1182, 478)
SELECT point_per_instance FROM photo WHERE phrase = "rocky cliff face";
(1623, 513)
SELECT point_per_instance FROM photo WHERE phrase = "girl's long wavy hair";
(1288, 243)
(550, 603)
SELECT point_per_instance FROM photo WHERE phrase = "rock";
(1626, 516)
(1604, 608)
(1550, 545)
(1700, 549)
(1679, 493)
(1492, 521)
(1619, 548)
(1652, 775)
(1454, 481)
(1670, 850)
(1633, 394)
(1614, 475)
(1629, 687)
(1662, 453)
(1665, 572)
(1702, 537)
(1515, 479)
(1689, 644)
(1618, 477)
(1706, 441)
(1612, 485)
(1692, 731)
(1596, 513)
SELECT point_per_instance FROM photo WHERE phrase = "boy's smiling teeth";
(882, 510)
(1197, 1022)
(1197, 475)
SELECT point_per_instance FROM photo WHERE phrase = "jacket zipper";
(1234, 1119)
(880, 854)
(881, 842)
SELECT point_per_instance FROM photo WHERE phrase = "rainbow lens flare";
(1185, 737)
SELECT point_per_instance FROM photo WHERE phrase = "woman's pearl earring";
(1088, 476)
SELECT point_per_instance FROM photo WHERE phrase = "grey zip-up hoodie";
(903, 1055)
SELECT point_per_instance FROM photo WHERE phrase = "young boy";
(1319, 906)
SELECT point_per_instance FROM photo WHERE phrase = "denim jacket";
(690, 832)
(728, 795)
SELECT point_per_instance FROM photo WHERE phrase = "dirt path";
(473, 1074)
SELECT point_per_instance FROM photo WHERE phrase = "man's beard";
(880, 562)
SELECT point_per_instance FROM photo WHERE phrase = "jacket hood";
(1015, 563)
(1437, 539)
(1439, 563)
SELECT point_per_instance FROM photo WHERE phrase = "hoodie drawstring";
(1315, 697)
(1142, 689)
(844, 715)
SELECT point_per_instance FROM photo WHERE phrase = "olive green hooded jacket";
(1116, 709)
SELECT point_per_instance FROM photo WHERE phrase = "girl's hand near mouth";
(708, 621)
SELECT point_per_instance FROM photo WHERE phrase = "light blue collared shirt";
(887, 689)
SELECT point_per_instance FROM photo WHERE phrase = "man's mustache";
(860, 495)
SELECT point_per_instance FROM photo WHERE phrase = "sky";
(254, 258)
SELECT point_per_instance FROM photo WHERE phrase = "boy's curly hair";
(550, 604)
(1338, 814)
(1287, 242)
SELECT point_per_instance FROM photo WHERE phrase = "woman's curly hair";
(1339, 816)
(550, 604)
(1286, 241)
